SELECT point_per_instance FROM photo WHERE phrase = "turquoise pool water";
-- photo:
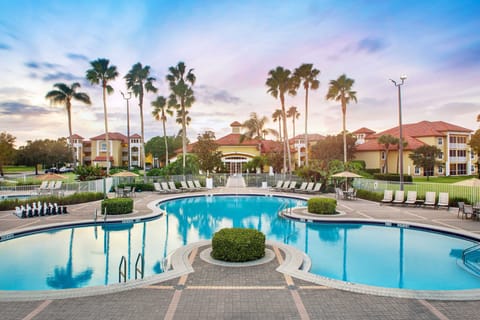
(361, 253)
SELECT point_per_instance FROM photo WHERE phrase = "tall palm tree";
(139, 81)
(387, 140)
(279, 83)
(182, 97)
(160, 111)
(255, 127)
(102, 73)
(294, 114)
(63, 95)
(307, 75)
(341, 90)
(277, 116)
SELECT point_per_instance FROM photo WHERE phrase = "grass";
(17, 169)
(451, 179)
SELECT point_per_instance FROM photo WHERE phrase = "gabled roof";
(235, 124)
(112, 136)
(373, 145)
(135, 136)
(234, 139)
(76, 136)
(311, 137)
(365, 130)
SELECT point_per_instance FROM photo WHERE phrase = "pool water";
(361, 253)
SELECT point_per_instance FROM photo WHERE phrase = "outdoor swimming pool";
(378, 255)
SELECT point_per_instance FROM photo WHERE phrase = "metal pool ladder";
(471, 258)
(139, 268)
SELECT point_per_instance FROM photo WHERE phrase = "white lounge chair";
(302, 188)
(411, 198)
(277, 186)
(430, 198)
(184, 186)
(443, 200)
(198, 185)
(317, 187)
(309, 187)
(157, 187)
(387, 196)
(191, 186)
(173, 187)
(399, 197)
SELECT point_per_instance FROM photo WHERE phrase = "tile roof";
(235, 124)
(102, 158)
(364, 130)
(76, 136)
(373, 145)
(234, 139)
(311, 137)
(112, 136)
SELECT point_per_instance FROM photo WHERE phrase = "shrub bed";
(71, 199)
(139, 186)
(238, 245)
(322, 205)
(117, 206)
(369, 195)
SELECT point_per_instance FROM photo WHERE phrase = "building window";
(440, 155)
(453, 169)
(440, 141)
(472, 155)
(417, 171)
(440, 169)
(472, 168)
(382, 155)
(462, 168)
(103, 147)
(452, 153)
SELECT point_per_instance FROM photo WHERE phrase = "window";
(382, 155)
(417, 171)
(440, 141)
(103, 147)
(440, 155)
(440, 169)
(452, 153)
(462, 168)
(472, 168)
(453, 139)
(472, 154)
(462, 153)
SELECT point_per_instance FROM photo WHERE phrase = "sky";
(232, 45)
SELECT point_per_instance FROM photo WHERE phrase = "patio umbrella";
(473, 182)
(51, 176)
(125, 174)
(346, 174)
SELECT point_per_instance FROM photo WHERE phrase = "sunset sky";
(232, 45)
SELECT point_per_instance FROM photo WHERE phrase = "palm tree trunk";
(69, 115)
(184, 137)
(306, 124)
(106, 126)
(344, 111)
(140, 104)
(285, 135)
(166, 141)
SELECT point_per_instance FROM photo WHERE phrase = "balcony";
(458, 159)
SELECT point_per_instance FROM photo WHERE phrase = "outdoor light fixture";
(400, 143)
(128, 97)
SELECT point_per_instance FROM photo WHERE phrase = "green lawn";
(17, 169)
(451, 179)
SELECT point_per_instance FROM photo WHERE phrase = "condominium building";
(456, 157)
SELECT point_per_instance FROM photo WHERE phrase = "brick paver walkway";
(258, 292)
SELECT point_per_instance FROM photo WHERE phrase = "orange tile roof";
(373, 145)
(234, 139)
(363, 130)
(235, 124)
(76, 136)
(112, 136)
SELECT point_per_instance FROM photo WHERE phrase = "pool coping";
(296, 264)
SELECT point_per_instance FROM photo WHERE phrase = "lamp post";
(400, 143)
(128, 97)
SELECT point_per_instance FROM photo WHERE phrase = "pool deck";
(254, 292)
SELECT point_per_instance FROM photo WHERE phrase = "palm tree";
(341, 90)
(139, 80)
(387, 140)
(277, 116)
(63, 95)
(294, 114)
(279, 83)
(307, 75)
(180, 82)
(101, 73)
(255, 127)
(160, 111)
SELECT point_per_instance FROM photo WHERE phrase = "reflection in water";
(63, 277)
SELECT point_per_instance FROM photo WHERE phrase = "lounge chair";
(285, 186)
(338, 193)
(399, 197)
(173, 187)
(387, 196)
(411, 198)
(316, 188)
(43, 187)
(443, 200)
(430, 198)
(158, 188)
(192, 186)
(302, 188)
(57, 187)
(277, 186)
(184, 186)
(292, 186)
(198, 185)
(309, 187)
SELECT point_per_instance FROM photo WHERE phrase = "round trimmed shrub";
(322, 205)
(117, 206)
(238, 245)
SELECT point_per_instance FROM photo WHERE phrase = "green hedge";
(67, 200)
(322, 205)
(139, 186)
(238, 245)
(369, 195)
(391, 177)
(117, 205)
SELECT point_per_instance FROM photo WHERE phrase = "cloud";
(18, 108)
(61, 76)
(370, 45)
(77, 56)
(4, 46)
(465, 57)
(210, 95)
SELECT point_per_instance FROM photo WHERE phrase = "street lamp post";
(128, 97)
(400, 143)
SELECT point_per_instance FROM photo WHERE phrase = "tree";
(331, 148)
(160, 111)
(7, 149)
(156, 146)
(280, 83)
(387, 140)
(341, 90)
(256, 162)
(46, 152)
(307, 75)
(475, 145)
(63, 95)
(102, 73)
(275, 157)
(206, 150)
(139, 81)
(182, 97)
(294, 114)
(426, 157)
(255, 126)
(277, 116)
